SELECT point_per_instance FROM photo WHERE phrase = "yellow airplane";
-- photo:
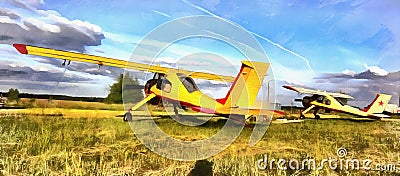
(332, 101)
(177, 85)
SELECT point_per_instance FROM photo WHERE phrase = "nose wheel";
(128, 117)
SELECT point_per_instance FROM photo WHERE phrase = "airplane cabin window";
(340, 101)
(327, 102)
(188, 82)
(167, 87)
(164, 85)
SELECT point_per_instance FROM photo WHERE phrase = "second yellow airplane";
(331, 101)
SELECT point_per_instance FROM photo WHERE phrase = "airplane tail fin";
(244, 89)
(379, 104)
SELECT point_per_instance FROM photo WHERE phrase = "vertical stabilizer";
(244, 89)
(379, 104)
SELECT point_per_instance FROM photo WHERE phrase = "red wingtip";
(289, 87)
(279, 112)
(21, 48)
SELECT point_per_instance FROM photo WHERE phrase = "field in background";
(89, 146)
(86, 138)
(67, 104)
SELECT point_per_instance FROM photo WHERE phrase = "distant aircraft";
(332, 101)
(178, 87)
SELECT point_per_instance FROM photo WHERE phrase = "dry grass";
(61, 112)
(32, 145)
(67, 104)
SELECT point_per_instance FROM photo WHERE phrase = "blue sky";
(304, 40)
(349, 33)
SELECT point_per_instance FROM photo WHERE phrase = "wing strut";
(305, 111)
(128, 115)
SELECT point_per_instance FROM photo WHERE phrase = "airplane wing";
(318, 92)
(73, 56)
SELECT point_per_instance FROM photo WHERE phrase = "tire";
(127, 117)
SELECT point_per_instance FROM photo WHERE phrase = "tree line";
(115, 95)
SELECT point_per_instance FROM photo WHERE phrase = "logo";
(341, 152)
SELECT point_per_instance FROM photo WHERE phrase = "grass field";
(67, 104)
(53, 145)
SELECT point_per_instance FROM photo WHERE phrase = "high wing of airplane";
(302, 90)
(332, 101)
(178, 87)
(72, 56)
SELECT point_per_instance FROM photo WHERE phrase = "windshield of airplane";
(188, 82)
(341, 101)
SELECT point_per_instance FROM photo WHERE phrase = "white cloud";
(349, 72)
(298, 77)
(22, 22)
(121, 38)
(42, 25)
(376, 70)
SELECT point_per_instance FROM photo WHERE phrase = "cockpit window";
(188, 82)
(164, 85)
(341, 101)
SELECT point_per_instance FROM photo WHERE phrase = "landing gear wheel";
(302, 116)
(317, 117)
(128, 117)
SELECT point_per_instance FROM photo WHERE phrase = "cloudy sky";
(337, 45)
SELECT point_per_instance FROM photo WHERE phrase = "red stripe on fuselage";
(223, 100)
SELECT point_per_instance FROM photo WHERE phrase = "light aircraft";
(178, 87)
(334, 101)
